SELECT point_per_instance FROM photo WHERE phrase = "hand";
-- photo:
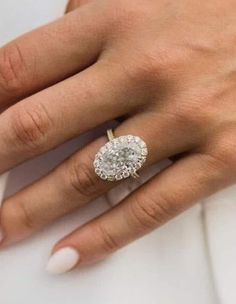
(167, 67)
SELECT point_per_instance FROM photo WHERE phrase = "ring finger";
(74, 183)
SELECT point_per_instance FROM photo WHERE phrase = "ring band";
(121, 157)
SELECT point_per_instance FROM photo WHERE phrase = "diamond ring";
(120, 157)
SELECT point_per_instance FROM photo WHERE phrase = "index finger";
(49, 54)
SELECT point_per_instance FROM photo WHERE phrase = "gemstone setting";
(120, 158)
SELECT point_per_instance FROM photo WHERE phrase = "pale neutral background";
(189, 260)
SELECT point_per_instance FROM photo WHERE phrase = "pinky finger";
(153, 204)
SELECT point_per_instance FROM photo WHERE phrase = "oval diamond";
(120, 158)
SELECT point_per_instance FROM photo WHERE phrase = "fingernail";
(63, 260)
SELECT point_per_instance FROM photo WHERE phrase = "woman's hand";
(168, 67)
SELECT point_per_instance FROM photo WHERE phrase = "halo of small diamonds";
(120, 158)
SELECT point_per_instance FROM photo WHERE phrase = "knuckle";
(222, 155)
(149, 66)
(31, 126)
(214, 172)
(17, 216)
(164, 61)
(107, 239)
(26, 217)
(183, 115)
(213, 163)
(148, 212)
(226, 151)
(12, 69)
(82, 178)
(123, 18)
(157, 66)
(121, 15)
(193, 111)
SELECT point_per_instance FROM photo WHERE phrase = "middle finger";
(49, 118)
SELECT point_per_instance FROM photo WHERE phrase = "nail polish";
(63, 260)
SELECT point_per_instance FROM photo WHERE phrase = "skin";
(168, 68)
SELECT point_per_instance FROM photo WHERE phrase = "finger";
(43, 121)
(49, 54)
(68, 187)
(72, 185)
(164, 134)
(162, 198)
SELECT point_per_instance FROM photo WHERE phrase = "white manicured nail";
(63, 260)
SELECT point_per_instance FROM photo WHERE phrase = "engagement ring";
(121, 157)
